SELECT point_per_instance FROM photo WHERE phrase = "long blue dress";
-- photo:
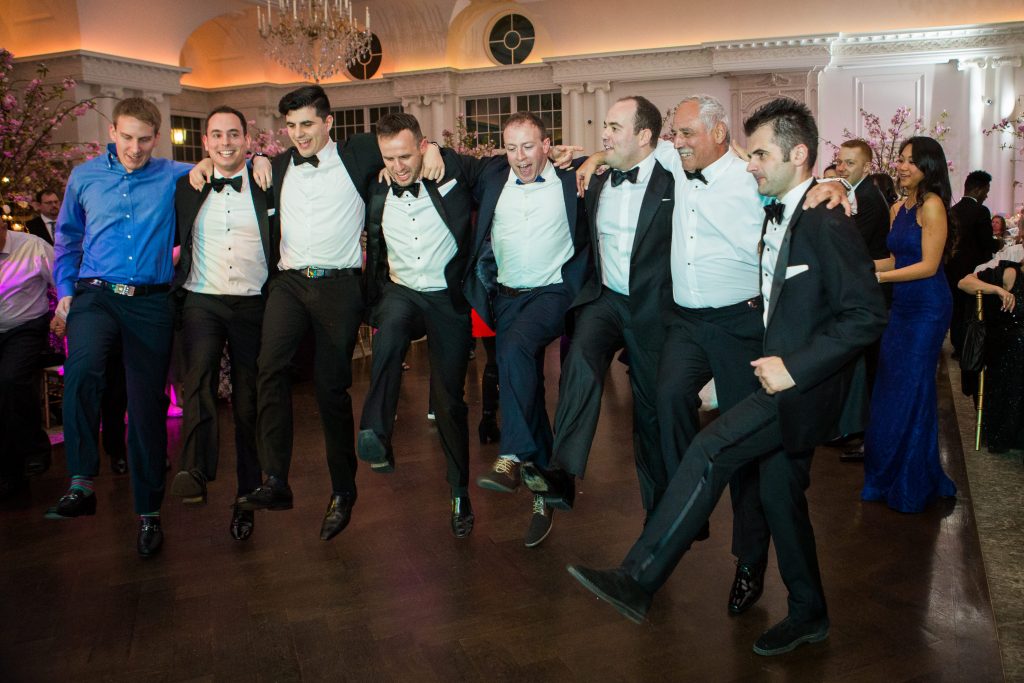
(901, 445)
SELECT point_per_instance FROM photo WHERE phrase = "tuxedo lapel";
(650, 204)
(259, 203)
(438, 202)
(781, 263)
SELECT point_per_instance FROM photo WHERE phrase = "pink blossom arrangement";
(885, 141)
(30, 113)
(464, 142)
(266, 141)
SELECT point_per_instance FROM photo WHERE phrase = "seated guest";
(26, 271)
(1003, 419)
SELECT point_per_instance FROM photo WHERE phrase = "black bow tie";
(399, 190)
(774, 211)
(298, 159)
(696, 175)
(619, 176)
(538, 179)
(220, 183)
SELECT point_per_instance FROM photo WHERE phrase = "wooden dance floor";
(396, 598)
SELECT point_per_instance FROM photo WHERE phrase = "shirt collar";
(717, 167)
(242, 173)
(548, 173)
(114, 163)
(644, 169)
(792, 198)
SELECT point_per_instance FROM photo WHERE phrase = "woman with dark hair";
(885, 185)
(901, 444)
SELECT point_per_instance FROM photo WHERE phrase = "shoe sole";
(537, 542)
(622, 609)
(538, 484)
(371, 450)
(492, 485)
(52, 513)
(789, 647)
(186, 487)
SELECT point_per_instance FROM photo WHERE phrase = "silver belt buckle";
(313, 273)
(124, 290)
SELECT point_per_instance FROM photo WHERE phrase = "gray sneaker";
(540, 523)
(504, 476)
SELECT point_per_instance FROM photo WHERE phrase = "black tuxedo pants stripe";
(142, 327)
(526, 324)
(402, 315)
(208, 321)
(701, 344)
(21, 420)
(333, 309)
(602, 327)
(748, 434)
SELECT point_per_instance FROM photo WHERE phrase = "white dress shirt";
(530, 233)
(227, 252)
(419, 243)
(26, 270)
(715, 231)
(618, 212)
(773, 236)
(322, 215)
(49, 223)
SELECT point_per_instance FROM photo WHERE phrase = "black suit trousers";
(402, 315)
(333, 308)
(602, 327)
(526, 324)
(99, 322)
(746, 435)
(21, 420)
(208, 321)
(701, 344)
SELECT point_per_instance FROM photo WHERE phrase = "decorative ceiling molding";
(933, 46)
(107, 71)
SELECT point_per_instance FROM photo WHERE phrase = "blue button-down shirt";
(115, 225)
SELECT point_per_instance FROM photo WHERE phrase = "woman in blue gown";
(901, 445)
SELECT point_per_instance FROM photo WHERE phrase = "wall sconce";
(178, 136)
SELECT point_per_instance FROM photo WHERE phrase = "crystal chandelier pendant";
(315, 38)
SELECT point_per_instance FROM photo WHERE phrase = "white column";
(437, 116)
(976, 109)
(1003, 195)
(572, 116)
(600, 90)
(163, 147)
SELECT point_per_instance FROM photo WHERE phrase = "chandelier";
(316, 38)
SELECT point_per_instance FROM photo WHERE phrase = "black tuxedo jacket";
(872, 218)
(650, 272)
(188, 201)
(454, 208)
(973, 225)
(820, 319)
(37, 227)
(488, 177)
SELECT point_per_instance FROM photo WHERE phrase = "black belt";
(122, 289)
(319, 273)
(513, 292)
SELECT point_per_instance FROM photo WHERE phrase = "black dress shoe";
(74, 503)
(746, 587)
(788, 634)
(151, 536)
(37, 464)
(190, 486)
(371, 449)
(489, 431)
(852, 454)
(275, 494)
(339, 513)
(462, 516)
(242, 523)
(556, 487)
(119, 465)
(617, 588)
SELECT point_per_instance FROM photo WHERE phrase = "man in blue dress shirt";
(114, 239)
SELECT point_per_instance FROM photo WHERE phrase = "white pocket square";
(446, 188)
(271, 212)
(795, 270)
